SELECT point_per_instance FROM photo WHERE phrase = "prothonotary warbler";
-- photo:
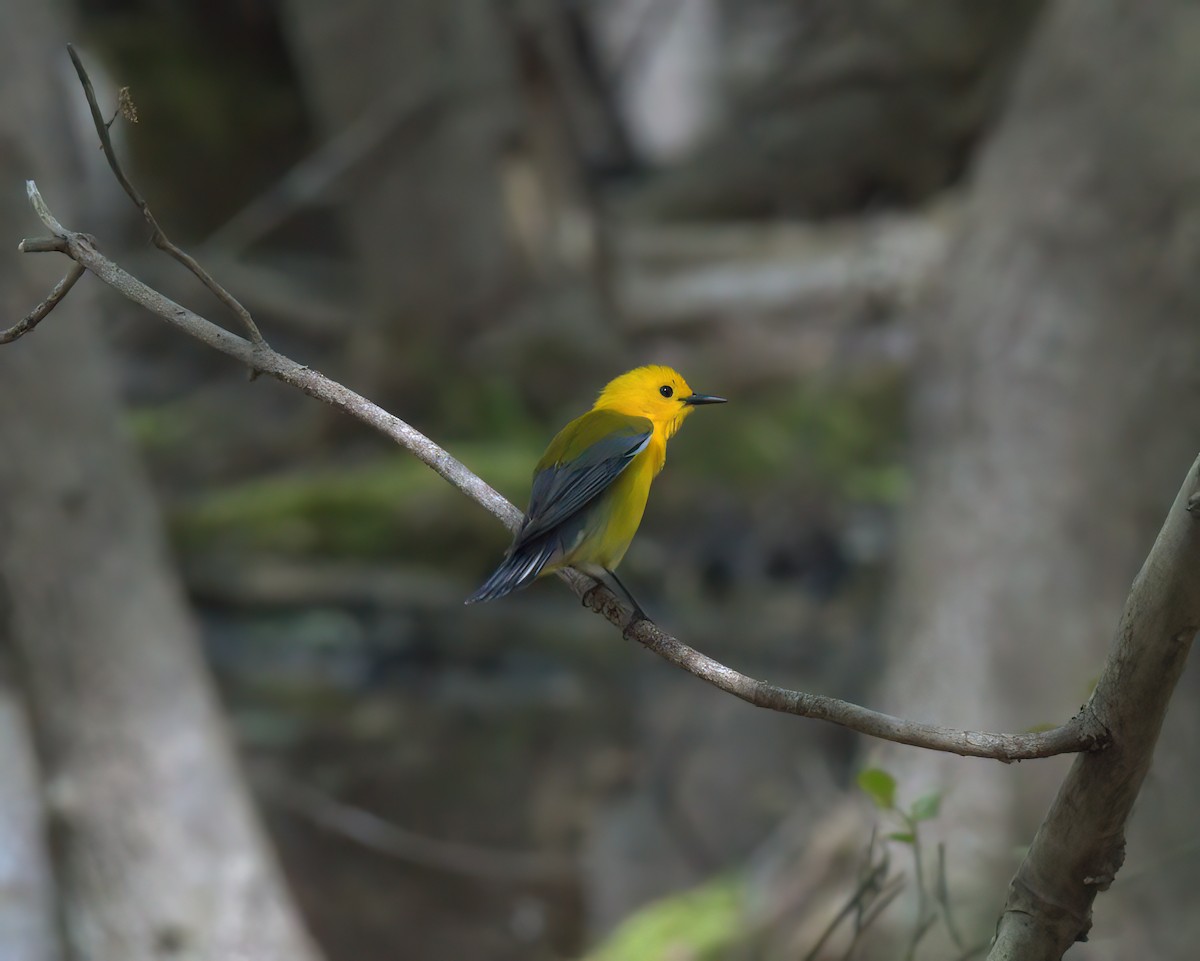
(590, 487)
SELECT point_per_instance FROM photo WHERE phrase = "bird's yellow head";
(654, 392)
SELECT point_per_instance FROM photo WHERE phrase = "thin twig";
(38, 314)
(943, 898)
(1082, 733)
(158, 235)
(885, 861)
(378, 834)
(855, 903)
(924, 918)
(887, 894)
(923, 928)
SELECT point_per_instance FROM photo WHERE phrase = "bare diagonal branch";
(1081, 733)
(39, 313)
(158, 235)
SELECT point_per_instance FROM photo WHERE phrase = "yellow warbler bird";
(591, 485)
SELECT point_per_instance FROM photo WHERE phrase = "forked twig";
(158, 235)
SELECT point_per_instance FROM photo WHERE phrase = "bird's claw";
(638, 617)
(587, 600)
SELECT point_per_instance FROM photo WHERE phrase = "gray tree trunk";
(28, 923)
(424, 208)
(28, 911)
(158, 852)
(1056, 409)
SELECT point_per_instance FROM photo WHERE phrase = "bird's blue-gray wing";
(562, 489)
(579, 465)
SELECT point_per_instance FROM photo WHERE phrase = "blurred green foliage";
(879, 786)
(700, 924)
(391, 507)
(843, 440)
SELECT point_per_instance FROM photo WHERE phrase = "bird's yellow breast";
(619, 510)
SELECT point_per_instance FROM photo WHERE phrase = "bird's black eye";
(666, 390)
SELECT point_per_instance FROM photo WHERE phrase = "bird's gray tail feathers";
(516, 570)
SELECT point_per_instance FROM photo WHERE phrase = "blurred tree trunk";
(156, 847)
(1055, 410)
(28, 925)
(820, 108)
(468, 214)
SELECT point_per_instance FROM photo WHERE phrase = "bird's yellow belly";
(614, 517)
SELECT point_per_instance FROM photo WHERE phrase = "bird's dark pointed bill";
(695, 399)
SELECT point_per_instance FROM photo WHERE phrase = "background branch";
(378, 834)
(1081, 733)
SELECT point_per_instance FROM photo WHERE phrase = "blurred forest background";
(942, 258)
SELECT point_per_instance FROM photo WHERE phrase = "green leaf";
(903, 837)
(927, 806)
(702, 924)
(880, 786)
